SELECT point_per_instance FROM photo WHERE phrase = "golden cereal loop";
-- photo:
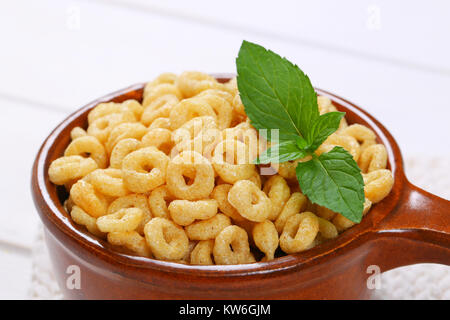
(159, 108)
(108, 182)
(203, 253)
(207, 229)
(231, 247)
(221, 107)
(77, 132)
(278, 192)
(324, 213)
(248, 136)
(373, 158)
(231, 85)
(192, 83)
(347, 142)
(69, 169)
(81, 217)
(121, 150)
(230, 160)
(120, 221)
(188, 109)
(163, 89)
(144, 169)
(287, 169)
(251, 202)
(296, 204)
(220, 93)
(133, 201)
(193, 128)
(238, 107)
(220, 194)
(265, 236)
(364, 135)
(101, 127)
(161, 123)
(185, 212)
(327, 229)
(87, 198)
(342, 223)
(187, 257)
(125, 131)
(88, 147)
(299, 232)
(167, 241)
(159, 138)
(131, 240)
(166, 77)
(378, 184)
(158, 201)
(127, 107)
(190, 163)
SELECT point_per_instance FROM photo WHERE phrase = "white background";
(390, 57)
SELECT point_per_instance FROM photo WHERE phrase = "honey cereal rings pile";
(172, 177)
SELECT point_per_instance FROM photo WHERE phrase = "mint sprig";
(277, 95)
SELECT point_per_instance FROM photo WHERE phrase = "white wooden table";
(390, 57)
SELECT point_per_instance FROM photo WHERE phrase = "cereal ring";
(120, 221)
(160, 107)
(373, 158)
(231, 247)
(163, 123)
(144, 169)
(131, 240)
(101, 127)
(327, 229)
(296, 204)
(166, 77)
(324, 212)
(109, 108)
(154, 92)
(88, 147)
(108, 181)
(167, 241)
(248, 136)
(190, 162)
(207, 229)
(378, 184)
(193, 128)
(133, 201)
(135, 107)
(364, 135)
(192, 83)
(158, 201)
(217, 92)
(81, 217)
(77, 132)
(87, 198)
(121, 150)
(159, 138)
(278, 192)
(69, 169)
(221, 107)
(251, 203)
(342, 223)
(299, 232)
(347, 142)
(185, 212)
(235, 165)
(188, 109)
(125, 131)
(220, 194)
(203, 253)
(238, 107)
(265, 236)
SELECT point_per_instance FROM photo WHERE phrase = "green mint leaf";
(334, 180)
(282, 152)
(325, 125)
(276, 94)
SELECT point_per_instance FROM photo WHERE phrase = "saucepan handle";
(416, 231)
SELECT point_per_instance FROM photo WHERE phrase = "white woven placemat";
(421, 281)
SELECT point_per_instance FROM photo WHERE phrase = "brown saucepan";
(409, 226)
